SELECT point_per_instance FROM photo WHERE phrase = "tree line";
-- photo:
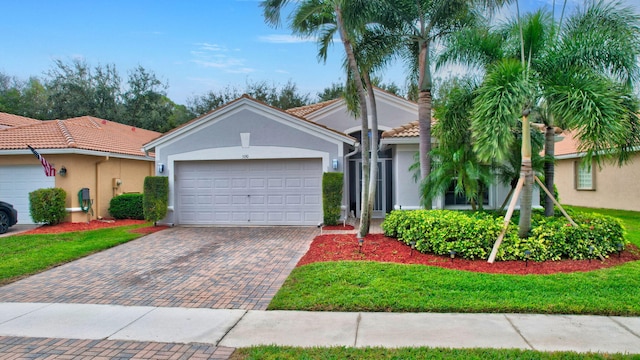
(75, 88)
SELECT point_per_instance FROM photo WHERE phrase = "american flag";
(49, 170)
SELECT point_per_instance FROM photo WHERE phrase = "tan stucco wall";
(83, 170)
(615, 187)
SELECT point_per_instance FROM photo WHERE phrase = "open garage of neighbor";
(249, 192)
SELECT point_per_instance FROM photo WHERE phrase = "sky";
(192, 45)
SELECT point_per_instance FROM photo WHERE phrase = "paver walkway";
(214, 267)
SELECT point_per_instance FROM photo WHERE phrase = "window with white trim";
(584, 176)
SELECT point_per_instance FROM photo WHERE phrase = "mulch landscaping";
(93, 225)
(377, 247)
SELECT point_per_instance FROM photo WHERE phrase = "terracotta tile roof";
(10, 120)
(85, 133)
(411, 129)
(303, 111)
(568, 145)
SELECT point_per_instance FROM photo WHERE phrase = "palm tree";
(324, 18)
(578, 86)
(421, 23)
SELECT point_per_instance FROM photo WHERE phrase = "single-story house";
(249, 163)
(582, 184)
(100, 155)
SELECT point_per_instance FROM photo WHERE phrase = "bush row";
(472, 235)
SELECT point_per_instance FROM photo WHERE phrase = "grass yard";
(285, 353)
(372, 286)
(23, 255)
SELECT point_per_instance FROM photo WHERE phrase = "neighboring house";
(249, 163)
(586, 184)
(104, 156)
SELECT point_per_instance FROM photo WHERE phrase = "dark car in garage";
(8, 216)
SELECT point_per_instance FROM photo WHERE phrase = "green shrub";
(156, 197)
(127, 206)
(472, 235)
(48, 205)
(332, 196)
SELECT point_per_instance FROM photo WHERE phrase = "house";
(587, 184)
(100, 155)
(247, 163)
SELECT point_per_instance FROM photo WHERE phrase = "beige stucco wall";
(82, 172)
(615, 187)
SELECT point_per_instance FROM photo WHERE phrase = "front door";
(382, 203)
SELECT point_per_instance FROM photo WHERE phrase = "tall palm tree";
(324, 18)
(580, 85)
(421, 23)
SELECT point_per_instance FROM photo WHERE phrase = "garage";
(17, 181)
(249, 192)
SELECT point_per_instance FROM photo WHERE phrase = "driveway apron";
(213, 267)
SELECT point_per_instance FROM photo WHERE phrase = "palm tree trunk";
(526, 171)
(365, 223)
(365, 214)
(549, 154)
(424, 111)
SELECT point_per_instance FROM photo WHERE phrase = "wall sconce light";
(334, 164)
(160, 168)
(63, 171)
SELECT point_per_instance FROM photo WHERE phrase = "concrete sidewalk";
(240, 328)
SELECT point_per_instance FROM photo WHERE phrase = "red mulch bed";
(94, 224)
(377, 247)
(337, 227)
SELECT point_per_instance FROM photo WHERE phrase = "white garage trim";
(239, 153)
(17, 181)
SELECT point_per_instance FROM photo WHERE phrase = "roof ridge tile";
(67, 135)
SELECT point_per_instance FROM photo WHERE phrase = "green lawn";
(286, 353)
(23, 255)
(370, 286)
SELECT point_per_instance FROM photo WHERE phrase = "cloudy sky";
(195, 46)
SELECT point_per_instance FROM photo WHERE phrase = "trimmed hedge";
(156, 197)
(48, 205)
(472, 235)
(127, 206)
(331, 196)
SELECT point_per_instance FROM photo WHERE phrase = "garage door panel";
(17, 181)
(256, 192)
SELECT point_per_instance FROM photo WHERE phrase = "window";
(584, 176)
(450, 197)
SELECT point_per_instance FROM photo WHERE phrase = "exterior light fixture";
(160, 168)
(360, 243)
(63, 171)
(620, 247)
(452, 253)
(527, 254)
(413, 247)
(334, 164)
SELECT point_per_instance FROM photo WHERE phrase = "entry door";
(380, 204)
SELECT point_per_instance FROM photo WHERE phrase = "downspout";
(97, 195)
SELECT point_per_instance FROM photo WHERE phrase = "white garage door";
(17, 181)
(249, 192)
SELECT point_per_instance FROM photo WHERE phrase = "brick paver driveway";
(226, 268)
